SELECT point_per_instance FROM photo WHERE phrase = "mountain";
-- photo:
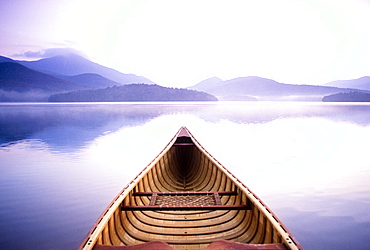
(36, 80)
(73, 64)
(19, 83)
(90, 80)
(133, 92)
(5, 59)
(362, 83)
(266, 89)
(207, 84)
(16, 77)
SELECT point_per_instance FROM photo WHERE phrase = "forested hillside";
(133, 92)
(353, 96)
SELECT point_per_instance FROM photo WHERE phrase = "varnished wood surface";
(184, 168)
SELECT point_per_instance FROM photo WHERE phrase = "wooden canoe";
(185, 199)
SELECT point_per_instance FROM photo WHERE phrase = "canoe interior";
(188, 200)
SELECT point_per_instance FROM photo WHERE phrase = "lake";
(62, 163)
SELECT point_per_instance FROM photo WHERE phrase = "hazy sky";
(180, 43)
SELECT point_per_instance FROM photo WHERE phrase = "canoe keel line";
(185, 199)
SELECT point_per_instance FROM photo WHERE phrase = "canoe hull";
(188, 200)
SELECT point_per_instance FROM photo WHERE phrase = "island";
(131, 93)
(353, 96)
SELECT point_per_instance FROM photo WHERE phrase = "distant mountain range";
(19, 83)
(243, 88)
(38, 80)
(362, 83)
(74, 78)
(16, 77)
(72, 64)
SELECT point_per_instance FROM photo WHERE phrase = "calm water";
(61, 164)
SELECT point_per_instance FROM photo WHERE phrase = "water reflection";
(71, 125)
(313, 172)
(66, 124)
(62, 164)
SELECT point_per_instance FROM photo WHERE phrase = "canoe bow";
(186, 199)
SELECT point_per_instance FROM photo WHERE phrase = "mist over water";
(61, 164)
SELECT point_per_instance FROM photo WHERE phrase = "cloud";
(51, 52)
